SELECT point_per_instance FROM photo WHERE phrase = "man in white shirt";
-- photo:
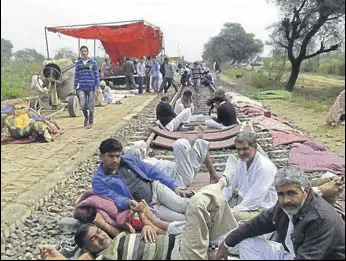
(252, 188)
(209, 214)
(140, 74)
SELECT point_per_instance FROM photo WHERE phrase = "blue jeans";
(86, 100)
(140, 84)
(155, 83)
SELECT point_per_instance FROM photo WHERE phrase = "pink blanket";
(105, 206)
(286, 137)
(257, 111)
(311, 157)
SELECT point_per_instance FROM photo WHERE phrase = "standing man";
(217, 70)
(85, 82)
(168, 76)
(129, 70)
(148, 65)
(155, 74)
(140, 74)
(196, 75)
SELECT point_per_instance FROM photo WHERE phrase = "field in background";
(311, 100)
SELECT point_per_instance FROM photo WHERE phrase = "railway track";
(53, 223)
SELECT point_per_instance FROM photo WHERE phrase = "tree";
(65, 53)
(29, 55)
(6, 51)
(233, 45)
(307, 29)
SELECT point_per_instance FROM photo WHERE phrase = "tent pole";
(79, 45)
(109, 23)
(94, 49)
(45, 33)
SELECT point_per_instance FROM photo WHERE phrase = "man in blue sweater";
(127, 180)
(85, 82)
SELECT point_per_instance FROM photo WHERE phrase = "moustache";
(289, 206)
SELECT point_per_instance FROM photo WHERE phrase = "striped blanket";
(131, 247)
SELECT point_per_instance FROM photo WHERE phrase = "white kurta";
(254, 185)
(178, 107)
(188, 161)
(259, 248)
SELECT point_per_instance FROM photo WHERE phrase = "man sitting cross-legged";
(127, 180)
(166, 117)
(308, 227)
(226, 114)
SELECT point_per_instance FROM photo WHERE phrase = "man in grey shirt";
(129, 70)
(168, 77)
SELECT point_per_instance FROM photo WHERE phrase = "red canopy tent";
(133, 39)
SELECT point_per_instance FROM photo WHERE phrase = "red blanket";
(256, 111)
(105, 206)
(311, 157)
(284, 137)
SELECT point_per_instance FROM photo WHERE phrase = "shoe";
(230, 170)
(86, 123)
(90, 125)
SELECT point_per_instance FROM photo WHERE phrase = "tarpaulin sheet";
(133, 39)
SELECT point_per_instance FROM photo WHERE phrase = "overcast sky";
(186, 24)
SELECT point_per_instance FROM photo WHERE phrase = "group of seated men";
(253, 210)
(174, 119)
(108, 69)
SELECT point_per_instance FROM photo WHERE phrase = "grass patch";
(307, 106)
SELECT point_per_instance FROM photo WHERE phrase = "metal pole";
(109, 23)
(45, 32)
(94, 49)
(78, 46)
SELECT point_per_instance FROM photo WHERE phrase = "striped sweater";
(132, 247)
(86, 76)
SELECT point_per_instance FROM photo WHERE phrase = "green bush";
(10, 89)
(329, 63)
(16, 78)
(265, 81)
(341, 68)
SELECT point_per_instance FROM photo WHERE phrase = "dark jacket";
(226, 114)
(129, 68)
(319, 231)
(165, 113)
